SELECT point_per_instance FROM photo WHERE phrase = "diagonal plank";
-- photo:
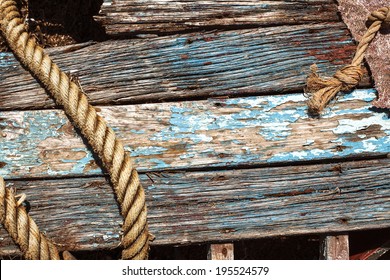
(187, 207)
(234, 63)
(215, 133)
(124, 17)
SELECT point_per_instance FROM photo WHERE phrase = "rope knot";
(382, 15)
(349, 77)
(322, 90)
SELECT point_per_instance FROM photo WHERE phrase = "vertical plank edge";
(334, 247)
(221, 251)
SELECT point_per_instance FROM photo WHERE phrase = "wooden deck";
(208, 99)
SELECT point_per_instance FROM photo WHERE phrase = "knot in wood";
(349, 77)
(382, 14)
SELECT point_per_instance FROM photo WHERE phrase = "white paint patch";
(109, 236)
(203, 138)
(361, 94)
(299, 154)
(352, 126)
(185, 156)
(368, 146)
(270, 102)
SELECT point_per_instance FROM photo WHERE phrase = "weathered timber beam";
(199, 65)
(215, 133)
(124, 17)
(187, 207)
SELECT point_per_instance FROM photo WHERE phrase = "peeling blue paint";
(82, 163)
(300, 155)
(159, 164)
(148, 151)
(19, 149)
(189, 155)
(207, 136)
(6, 60)
(135, 131)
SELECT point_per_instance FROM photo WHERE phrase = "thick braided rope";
(322, 90)
(22, 228)
(102, 139)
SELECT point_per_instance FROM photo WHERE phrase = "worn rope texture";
(22, 228)
(124, 177)
(322, 90)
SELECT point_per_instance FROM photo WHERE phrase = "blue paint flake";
(159, 164)
(7, 60)
(141, 131)
(186, 124)
(147, 151)
(188, 155)
(300, 155)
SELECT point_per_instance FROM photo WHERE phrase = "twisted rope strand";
(22, 228)
(322, 90)
(129, 192)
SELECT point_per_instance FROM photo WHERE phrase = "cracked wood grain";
(125, 17)
(198, 65)
(193, 207)
(215, 133)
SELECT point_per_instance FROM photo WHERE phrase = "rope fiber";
(22, 228)
(124, 178)
(323, 90)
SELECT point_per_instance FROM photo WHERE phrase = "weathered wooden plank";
(186, 207)
(234, 63)
(221, 251)
(200, 134)
(124, 17)
(334, 247)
